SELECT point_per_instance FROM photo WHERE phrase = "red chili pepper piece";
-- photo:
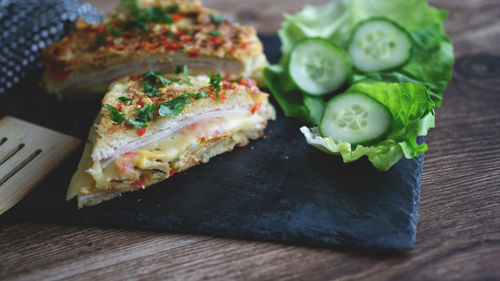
(256, 107)
(61, 74)
(245, 45)
(248, 82)
(140, 132)
(214, 39)
(171, 173)
(178, 33)
(120, 48)
(229, 86)
(186, 38)
(118, 106)
(138, 185)
(101, 28)
(176, 17)
(172, 47)
(142, 103)
(193, 54)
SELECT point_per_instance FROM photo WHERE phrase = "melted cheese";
(158, 155)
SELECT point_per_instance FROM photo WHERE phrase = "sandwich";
(150, 34)
(154, 125)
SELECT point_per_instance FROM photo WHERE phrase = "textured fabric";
(27, 27)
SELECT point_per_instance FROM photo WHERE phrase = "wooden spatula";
(27, 154)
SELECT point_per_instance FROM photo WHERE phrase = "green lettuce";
(412, 111)
(430, 64)
(410, 92)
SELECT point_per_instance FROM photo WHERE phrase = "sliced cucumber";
(318, 67)
(356, 118)
(379, 44)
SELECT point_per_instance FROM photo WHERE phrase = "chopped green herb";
(135, 123)
(174, 107)
(215, 82)
(101, 40)
(178, 69)
(131, 4)
(186, 76)
(154, 76)
(215, 33)
(173, 8)
(170, 33)
(114, 32)
(119, 118)
(150, 90)
(124, 99)
(151, 76)
(114, 114)
(146, 113)
(189, 32)
(142, 17)
(217, 19)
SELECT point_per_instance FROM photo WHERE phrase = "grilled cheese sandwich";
(143, 35)
(139, 139)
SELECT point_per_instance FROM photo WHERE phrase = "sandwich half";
(154, 125)
(150, 34)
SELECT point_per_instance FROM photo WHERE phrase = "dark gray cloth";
(27, 27)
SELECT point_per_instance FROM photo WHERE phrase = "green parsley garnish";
(124, 99)
(217, 19)
(135, 123)
(170, 33)
(142, 17)
(114, 114)
(146, 113)
(114, 32)
(173, 107)
(173, 9)
(152, 78)
(215, 82)
(119, 118)
(150, 90)
(186, 76)
(215, 33)
(101, 40)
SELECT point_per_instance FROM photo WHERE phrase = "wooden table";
(459, 227)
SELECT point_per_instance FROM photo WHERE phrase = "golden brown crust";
(132, 87)
(192, 32)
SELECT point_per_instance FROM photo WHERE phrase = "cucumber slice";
(379, 44)
(356, 118)
(318, 67)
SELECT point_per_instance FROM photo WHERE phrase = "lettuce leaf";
(413, 115)
(432, 58)
(411, 92)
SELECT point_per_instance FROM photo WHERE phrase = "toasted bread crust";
(193, 33)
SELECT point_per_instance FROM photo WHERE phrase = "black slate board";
(276, 189)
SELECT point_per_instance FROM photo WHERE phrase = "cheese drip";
(158, 155)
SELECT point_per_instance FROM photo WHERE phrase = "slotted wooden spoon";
(27, 154)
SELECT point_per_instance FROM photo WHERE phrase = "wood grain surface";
(459, 226)
(28, 153)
